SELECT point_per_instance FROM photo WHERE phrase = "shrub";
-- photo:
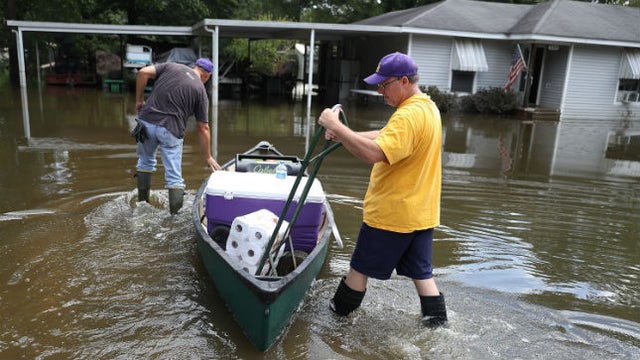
(446, 102)
(467, 104)
(490, 101)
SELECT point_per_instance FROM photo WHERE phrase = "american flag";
(517, 65)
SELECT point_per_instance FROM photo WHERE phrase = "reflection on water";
(537, 252)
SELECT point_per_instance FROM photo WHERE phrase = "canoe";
(263, 305)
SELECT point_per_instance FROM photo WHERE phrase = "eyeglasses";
(384, 86)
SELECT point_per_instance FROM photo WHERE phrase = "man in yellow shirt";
(402, 203)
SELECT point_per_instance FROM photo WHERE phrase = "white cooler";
(232, 194)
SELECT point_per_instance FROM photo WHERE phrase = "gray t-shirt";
(177, 94)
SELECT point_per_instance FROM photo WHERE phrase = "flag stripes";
(517, 65)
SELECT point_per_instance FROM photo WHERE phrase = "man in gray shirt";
(178, 93)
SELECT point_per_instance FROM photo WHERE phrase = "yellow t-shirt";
(404, 193)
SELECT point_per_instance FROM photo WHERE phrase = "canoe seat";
(267, 163)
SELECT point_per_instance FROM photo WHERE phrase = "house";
(583, 58)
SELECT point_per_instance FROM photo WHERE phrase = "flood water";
(538, 252)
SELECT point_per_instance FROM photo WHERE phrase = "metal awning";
(469, 56)
(630, 68)
(278, 30)
(216, 28)
(252, 29)
(82, 28)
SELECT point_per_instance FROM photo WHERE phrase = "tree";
(132, 12)
(338, 11)
(266, 57)
(151, 12)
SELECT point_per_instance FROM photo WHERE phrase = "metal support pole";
(312, 42)
(23, 85)
(215, 78)
(38, 67)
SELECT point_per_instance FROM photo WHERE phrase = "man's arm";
(143, 76)
(369, 134)
(204, 136)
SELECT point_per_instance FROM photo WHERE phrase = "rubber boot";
(175, 200)
(346, 299)
(434, 311)
(144, 185)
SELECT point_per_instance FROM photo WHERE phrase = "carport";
(216, 28)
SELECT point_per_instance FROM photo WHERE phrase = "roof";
(456, 15)
(556, 20)
(582, 20)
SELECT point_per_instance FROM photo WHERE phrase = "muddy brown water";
(537, 253)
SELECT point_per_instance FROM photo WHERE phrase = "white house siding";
(433, 56)
(589, 89)
(592, 84)
(499, 54)
(555, 69)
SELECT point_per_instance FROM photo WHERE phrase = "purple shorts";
(379, 252)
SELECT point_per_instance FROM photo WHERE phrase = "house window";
(629, 83)
(629, 91)
(462, 81)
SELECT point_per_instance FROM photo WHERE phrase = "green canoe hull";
(263, 306)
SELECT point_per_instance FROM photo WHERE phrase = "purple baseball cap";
(392, 65)
(205, 64)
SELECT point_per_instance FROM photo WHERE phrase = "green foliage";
(340, 11)
(486, 101)
(267, 57)
(132, 12)
(446, 102)
(255, 9)
(4, 71)
(151, 12)
(490, 101)
(467, 105)
(393, 5)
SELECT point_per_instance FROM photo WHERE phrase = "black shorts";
(379, 252)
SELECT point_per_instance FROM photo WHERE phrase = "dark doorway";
(535, 67)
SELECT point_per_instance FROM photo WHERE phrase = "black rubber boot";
(346, 299)
(144, 185)
(434, 311)
(175, 200)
